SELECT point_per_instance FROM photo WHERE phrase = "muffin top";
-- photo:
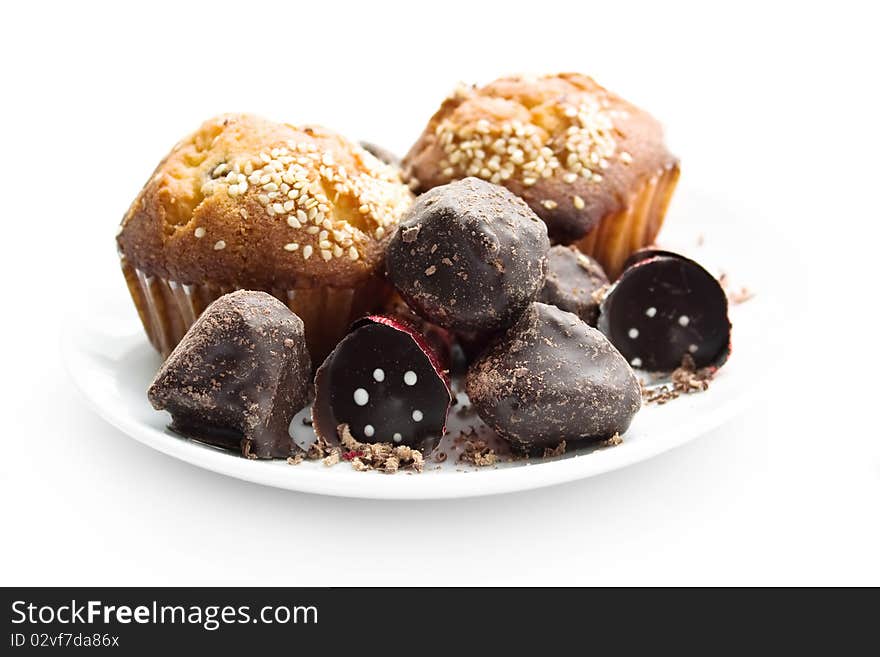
(573, 150)
(251, 203)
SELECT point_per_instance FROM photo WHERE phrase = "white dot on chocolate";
(379, 374)
(693, 348)
(417, 415)
(361, 397)
(369, 431)
(684, 320)
(397, 437)
(650, 312)
(636, 362)
(410, 378)
(633, 333)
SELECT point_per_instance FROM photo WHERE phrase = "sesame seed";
(307, 251)
(293, 223)
(199, 232)
(293, 246)
(219, 245)
(578, 202)
(327, 255)
(353, 253)
(549, 204)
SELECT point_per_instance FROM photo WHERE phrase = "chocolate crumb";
(478, 453)
(559, 450)
(382, 457)
(430, 271)
(296, 460)
(410, 234)
(614, 441)
(684, 380)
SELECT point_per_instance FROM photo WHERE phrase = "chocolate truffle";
(385, 381)
(238, 376)
(469, 256)
(381, 154)
(663, 307)
(572, 278)
(550, 378)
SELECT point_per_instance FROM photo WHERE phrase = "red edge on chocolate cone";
(323, 420)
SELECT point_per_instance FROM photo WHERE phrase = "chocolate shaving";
(684, 380)
(383, 457)
(614, 441)
(559, 450)
(478, 453)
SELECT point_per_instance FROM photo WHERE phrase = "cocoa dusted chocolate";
(664, 307)
(572, 280)
(238, 376)
(469, 256)
(386, 382)
(550, 378)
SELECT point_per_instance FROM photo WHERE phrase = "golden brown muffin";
(300, 213)
(590, 164)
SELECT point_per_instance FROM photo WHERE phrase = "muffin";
(590, 164)
(245, 203)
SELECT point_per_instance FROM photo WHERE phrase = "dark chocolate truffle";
(572, 278)
(381, 154)
(385, 381)
(663, 307)
(238, 377)
(550, 378)
(469, 256)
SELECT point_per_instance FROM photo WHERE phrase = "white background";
(773, 104)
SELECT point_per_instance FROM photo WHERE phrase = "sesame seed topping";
(297, 180)
(199, 232)
(578, 202)
(219, 245)
(524, 150)
(549, 204)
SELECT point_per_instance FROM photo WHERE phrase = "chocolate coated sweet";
(380, 153)
(238, 377)
(572, 278)
(550, 378)
(469, 256)
(663, 307)
(386, 382)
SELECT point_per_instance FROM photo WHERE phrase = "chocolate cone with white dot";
(386, 382)
(665, 306)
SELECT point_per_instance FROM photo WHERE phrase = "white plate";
(111, 362)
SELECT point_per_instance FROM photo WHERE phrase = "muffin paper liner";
(634, 227)
(168, 308)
